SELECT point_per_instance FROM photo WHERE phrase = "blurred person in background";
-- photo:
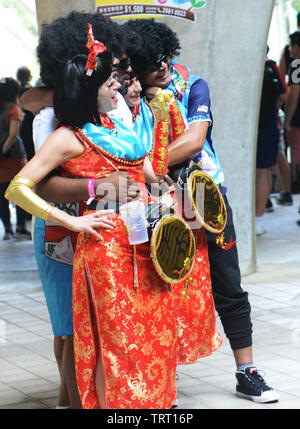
(24, 76)
(12, 154)
(292, 106)
(272, 98)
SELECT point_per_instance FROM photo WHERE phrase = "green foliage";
(22, 12)
(296, 5)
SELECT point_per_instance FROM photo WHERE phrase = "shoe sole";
(22, 236)
(8, 236)
(268, 397)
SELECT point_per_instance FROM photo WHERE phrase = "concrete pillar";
(226, 46)
(49, 10)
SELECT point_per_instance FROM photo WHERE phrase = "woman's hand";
(160, 104)
(89, 223)
(118, 186)
(165, 179)
(162, 186)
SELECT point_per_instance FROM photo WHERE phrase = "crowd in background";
(16, 146)
(278, 142)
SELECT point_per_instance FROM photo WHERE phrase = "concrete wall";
(226, 46)
(47, 10)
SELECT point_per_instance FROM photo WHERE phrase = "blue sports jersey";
(193, 100)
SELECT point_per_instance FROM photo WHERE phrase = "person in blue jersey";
(155, 67)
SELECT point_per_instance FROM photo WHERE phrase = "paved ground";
(28, 373)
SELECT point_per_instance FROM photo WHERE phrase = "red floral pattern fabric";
(132, 330)
(140, 333)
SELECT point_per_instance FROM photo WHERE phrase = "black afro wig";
(66, 37)
(152, 39)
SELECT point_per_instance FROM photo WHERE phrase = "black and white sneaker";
(285, 199)
(269, 207)
(22, 233)
(251, 385)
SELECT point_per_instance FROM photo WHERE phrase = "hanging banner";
(149, 8)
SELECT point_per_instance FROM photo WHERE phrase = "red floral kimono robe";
(131, 329)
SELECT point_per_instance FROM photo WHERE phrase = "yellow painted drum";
(172, 245)
(207, 201)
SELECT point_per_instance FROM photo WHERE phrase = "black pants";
(231, 301)
(5, 213)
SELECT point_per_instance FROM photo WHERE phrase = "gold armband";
(20, 192)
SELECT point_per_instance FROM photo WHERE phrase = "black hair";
(155, 38)
(66, 37)
(23, 74)
(110, 33)
(9, 92)
(295, 38)
(298, 19)
(75, 94)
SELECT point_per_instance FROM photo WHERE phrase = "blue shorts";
(56, 281)
(267, 146)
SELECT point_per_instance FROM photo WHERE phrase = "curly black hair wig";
(66, 37)
(149, 39)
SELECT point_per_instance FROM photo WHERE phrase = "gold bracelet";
(20, 192)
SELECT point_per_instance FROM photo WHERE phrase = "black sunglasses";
(156, 65)
(124, 64)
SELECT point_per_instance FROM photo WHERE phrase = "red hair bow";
(94, 48)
